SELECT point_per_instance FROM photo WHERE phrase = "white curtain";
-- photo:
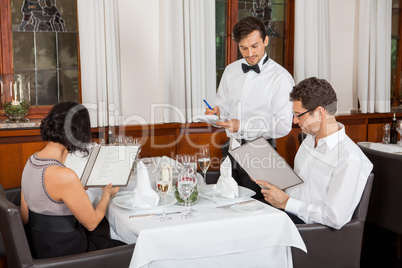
(100, 60)
(311, 53)
(188, 57)
(374, 55)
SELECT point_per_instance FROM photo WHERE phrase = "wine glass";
(399, 129)
(204, 160)
(180, 161)
(163, 184)
(185, 185)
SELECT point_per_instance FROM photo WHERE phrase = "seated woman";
(59, 216)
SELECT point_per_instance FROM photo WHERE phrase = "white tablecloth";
(214, 236)
(387, 148)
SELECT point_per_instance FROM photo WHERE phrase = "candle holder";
(15, 97)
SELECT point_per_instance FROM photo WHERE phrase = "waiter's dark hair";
(246, 26)
(68, 123)
(314, 92)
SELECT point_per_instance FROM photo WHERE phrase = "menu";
(262, 162)
(105, 164)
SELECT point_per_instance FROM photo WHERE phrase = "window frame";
(396, 98)
(6, 60)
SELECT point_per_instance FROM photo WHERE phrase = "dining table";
(382, 147)
(240, 234)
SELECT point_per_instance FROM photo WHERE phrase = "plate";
(248, 207)
(212, 192)
(124, 201)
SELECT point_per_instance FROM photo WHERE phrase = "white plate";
(212, 192)
(248, 207)
(123, 201)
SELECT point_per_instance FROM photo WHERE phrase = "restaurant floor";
(379, 248)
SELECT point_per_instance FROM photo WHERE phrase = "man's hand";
(214, 110)
(273, 195)
(232, 125)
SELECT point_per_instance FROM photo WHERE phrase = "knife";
(238, 203)
(152, 215)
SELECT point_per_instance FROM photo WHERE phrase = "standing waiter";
(253, 94)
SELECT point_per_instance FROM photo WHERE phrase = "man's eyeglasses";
(300, 115)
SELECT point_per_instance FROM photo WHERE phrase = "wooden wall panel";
(375, 132)
(12, 161)
(191, 142)
(169, 139)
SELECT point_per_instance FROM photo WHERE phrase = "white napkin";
(234, 143)
(143, 195)
(226, 184)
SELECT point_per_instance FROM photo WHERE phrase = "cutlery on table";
(152, 215)
(238, 203)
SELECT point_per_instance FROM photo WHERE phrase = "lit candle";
(15, 103)
(20, 88)
(15, 90)
(11, 90)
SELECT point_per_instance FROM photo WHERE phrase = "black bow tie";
(246, 68)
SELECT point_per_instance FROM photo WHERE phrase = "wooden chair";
(18, 253)
(327, 247)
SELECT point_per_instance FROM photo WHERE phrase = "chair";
(19, 255)
(386, 199)
(14, 196)
(327, 247)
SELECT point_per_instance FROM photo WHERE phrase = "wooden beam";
(6, 64)
(289, 35)
(232, 10)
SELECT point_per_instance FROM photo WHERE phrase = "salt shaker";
(387, 133)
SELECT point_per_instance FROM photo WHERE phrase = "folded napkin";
(226, 184)
(143, 195)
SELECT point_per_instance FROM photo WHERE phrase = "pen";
(208, 105)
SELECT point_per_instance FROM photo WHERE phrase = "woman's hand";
(110, 190)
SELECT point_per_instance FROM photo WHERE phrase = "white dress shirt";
(334, 174)
(260, 101)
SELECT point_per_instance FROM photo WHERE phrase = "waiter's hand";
(273, 195)
(214, 110)
(232, 125)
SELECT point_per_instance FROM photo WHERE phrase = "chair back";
(362, 208)
(386, 199)
(13, 234)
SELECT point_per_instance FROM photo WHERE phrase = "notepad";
(105, 164)
(262, 162)
(210, 119)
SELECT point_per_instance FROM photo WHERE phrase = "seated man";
(333, 168)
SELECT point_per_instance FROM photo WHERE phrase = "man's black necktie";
(246, 68)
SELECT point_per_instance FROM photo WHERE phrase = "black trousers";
(239, 174)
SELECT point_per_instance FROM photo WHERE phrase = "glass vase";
(15, 97)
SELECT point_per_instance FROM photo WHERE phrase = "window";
(396, 51)
(40, 40)
(277, 15)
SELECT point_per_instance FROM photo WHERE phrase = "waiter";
(253, 95)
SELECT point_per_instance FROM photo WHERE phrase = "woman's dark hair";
(68, 124)
(246, 26)
(314, 92)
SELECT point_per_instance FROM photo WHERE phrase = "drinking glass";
(180, 161)
(163, 184)
(204, 160)
(399, 129)
(185, 185)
